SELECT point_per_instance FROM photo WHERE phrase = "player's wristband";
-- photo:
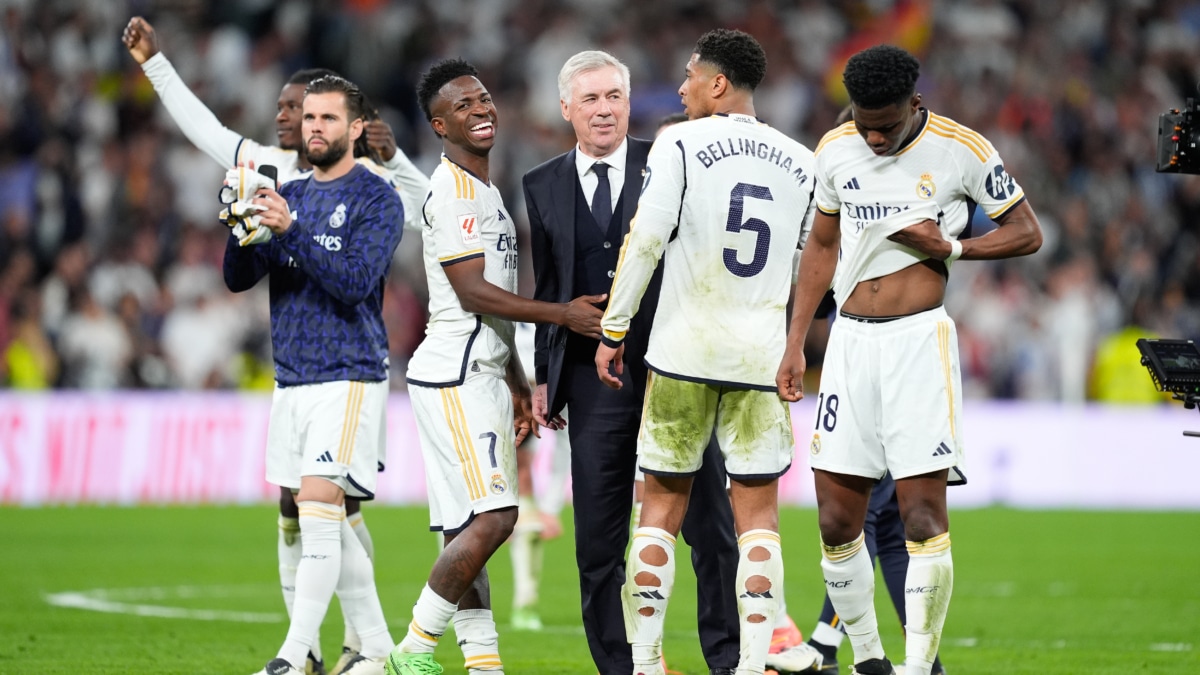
(955, 251)
(609, 342)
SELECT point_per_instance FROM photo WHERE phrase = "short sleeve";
(990, 185)
(456, 220)
(824, 193)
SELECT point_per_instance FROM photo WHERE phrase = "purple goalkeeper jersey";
(327, 276)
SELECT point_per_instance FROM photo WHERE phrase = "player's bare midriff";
(913, 289)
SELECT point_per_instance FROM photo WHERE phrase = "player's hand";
(380, 137)
(140, 39)
(924, 237)
(523, 421)
(583, 316)
(541, 409)
(276, 216)
(789, 380)
(606, 356)
(551, 526)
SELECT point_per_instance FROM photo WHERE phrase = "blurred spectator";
(201, 340)
(96, 349)
(30, 361)
(67, 278)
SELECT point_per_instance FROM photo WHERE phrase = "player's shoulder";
(373, 187)
(286, 161)
(297, 185)
(682, 130)
(375, 168)
(958, 137)
(373, 176)
(451, 182)
(837, 136)
(798, 149)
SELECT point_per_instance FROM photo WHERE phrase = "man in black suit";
(580, 204)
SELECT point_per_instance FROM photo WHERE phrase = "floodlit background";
(132, 377)
(110, 249)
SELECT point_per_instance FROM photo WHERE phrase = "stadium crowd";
(110, 249)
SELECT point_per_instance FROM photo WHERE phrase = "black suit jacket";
(550, 190)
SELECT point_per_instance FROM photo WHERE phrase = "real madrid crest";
(338, 218)
(815, 446)
(925, 187)
(499, 485)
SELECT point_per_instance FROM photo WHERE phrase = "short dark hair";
(306, 75)
(437, 76)
(361, 147)
(355, 101)
(880, 76)
(737, 55)
(673, 118)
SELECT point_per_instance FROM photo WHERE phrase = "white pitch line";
(88, 600)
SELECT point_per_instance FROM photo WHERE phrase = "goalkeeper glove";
(243, 219)
(241, 184)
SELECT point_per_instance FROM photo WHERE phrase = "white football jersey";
(464, 219)
(285, 161)
(228, 148)
(728, 198)
(947, 164)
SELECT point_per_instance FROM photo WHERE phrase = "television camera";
(1179, 140)
(1174, 367)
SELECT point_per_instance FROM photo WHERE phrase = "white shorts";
(753, 428)
(335, 430)
(890, 399)
(469, 447)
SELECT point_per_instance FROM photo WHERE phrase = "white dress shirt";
(616, 172)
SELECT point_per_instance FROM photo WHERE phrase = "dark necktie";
(602, 199)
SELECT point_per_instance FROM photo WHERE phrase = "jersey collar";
(916, 135)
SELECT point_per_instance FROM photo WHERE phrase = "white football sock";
(827, 635)
(361, 532)
(850, 582)
(927, 589)
(431, 615)
(781, 615)
(525, 549)
(645, 603)
(476, 631)
(289, 557)
(360, 600)
(350, 637)
(316, 576)
(759, 581)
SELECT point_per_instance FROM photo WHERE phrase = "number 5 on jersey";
(762, 242)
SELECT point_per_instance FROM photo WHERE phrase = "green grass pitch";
(1035, 592)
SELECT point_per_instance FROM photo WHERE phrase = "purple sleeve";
(350, 273)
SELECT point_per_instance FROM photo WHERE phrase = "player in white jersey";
(890, 213)
(229, 148)
(726, 197)
(468, 389)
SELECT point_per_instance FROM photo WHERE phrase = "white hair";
(588, 61)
